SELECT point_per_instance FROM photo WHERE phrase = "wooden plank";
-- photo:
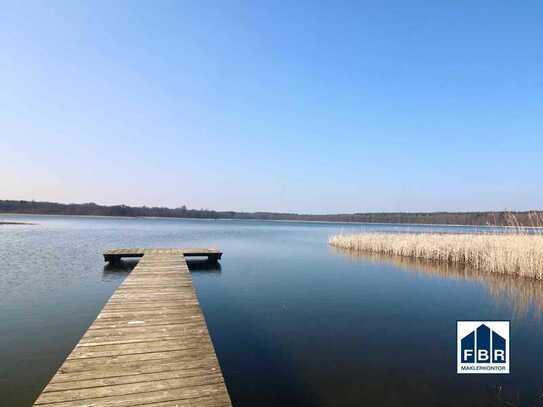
(139, 378)
(148, 346)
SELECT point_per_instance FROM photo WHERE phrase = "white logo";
(482, 347)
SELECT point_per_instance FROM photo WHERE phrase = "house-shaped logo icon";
(483, 346)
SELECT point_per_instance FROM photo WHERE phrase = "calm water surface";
(293, 321)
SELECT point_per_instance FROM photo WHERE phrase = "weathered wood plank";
(138, 378)
(148, 346)
(192, 393)
(116, 390)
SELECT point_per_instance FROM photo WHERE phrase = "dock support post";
(112, 259)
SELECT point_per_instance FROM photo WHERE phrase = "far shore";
(128, 217)
(526, 218)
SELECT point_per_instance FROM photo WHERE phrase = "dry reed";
(508, 253)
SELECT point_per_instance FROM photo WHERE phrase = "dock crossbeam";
(114, 256)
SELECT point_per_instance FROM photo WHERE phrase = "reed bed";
(518, 254)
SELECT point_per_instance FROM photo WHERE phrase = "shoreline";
(273, 220)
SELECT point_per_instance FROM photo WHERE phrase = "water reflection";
(118, 271)
(525, 295)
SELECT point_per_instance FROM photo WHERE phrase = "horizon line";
(413, 212)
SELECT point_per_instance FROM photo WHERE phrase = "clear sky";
(273, 105)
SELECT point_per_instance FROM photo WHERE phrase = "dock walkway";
(149, 346)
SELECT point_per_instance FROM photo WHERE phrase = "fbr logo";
(482, 346)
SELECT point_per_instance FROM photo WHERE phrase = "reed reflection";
(524, 294)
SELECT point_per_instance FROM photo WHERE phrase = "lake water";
(293, 321)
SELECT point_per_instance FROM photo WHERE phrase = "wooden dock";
(149, 346)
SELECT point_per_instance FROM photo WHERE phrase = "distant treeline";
(532, 218)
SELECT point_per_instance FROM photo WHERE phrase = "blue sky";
(282, 106)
